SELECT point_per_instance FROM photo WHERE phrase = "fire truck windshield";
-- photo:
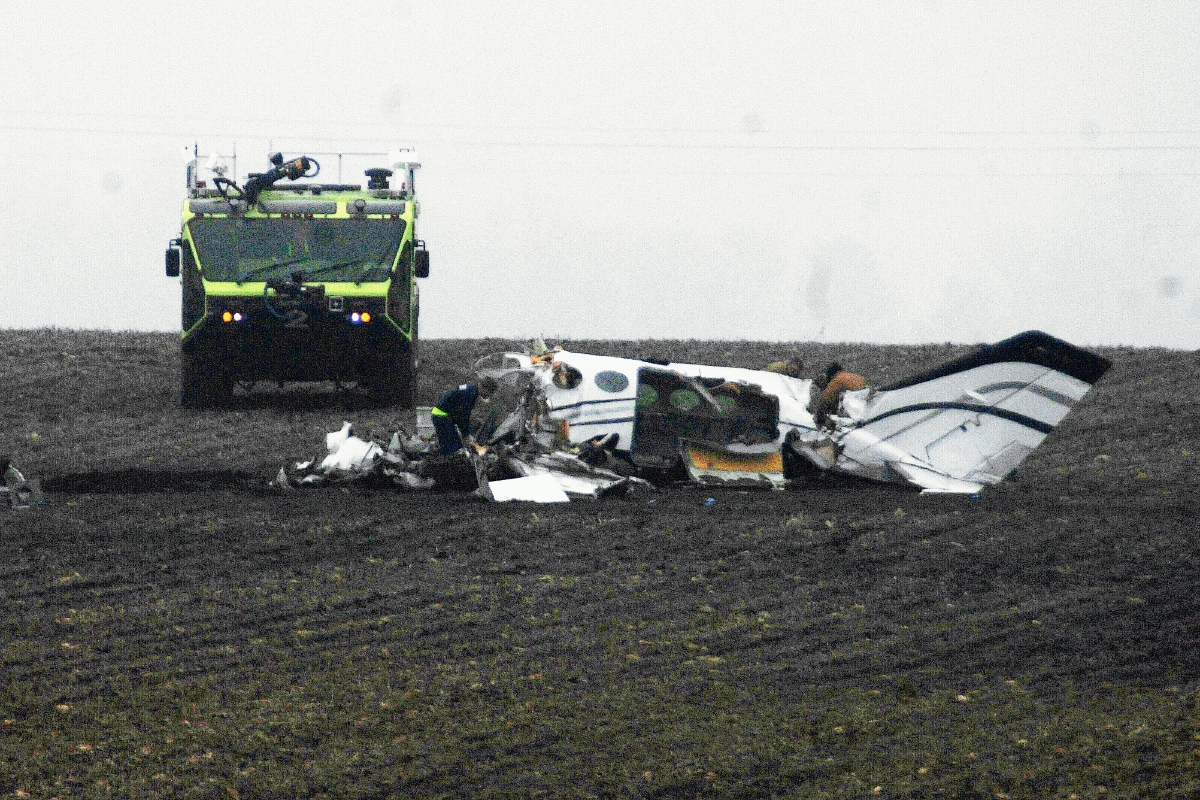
(326, 249)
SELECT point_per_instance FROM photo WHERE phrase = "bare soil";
(170, 624)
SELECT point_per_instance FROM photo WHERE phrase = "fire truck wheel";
(200, 387)
(396, 385)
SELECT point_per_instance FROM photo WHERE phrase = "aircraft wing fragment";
(970, 422)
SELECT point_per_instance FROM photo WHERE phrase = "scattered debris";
(534, 488)
(516, 464)
(601, 425)
(23, 493)
(350, 459)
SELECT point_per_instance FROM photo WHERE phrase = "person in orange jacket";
(833, 384)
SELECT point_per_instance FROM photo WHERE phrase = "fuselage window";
(611, 381)
(566, 376)
(684, 399)
(647, 396)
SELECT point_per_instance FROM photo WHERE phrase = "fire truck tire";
(405, 378)
(202, 387)
(396, 384)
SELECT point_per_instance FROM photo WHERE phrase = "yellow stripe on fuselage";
(723, 461)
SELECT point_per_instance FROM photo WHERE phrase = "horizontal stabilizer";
(971, 421)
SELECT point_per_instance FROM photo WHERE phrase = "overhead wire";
(411, 129)
(780, 170)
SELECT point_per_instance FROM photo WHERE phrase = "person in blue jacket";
(452, 413)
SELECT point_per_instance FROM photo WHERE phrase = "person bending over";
(452, 413)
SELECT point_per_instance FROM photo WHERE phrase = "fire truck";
(286, 279)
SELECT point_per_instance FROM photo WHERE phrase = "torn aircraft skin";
(22, 492)
(518, 465)
(957, 428)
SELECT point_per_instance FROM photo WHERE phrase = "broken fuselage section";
(957, 428)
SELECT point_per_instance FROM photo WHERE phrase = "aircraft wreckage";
(590, 425)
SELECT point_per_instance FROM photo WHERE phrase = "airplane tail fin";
(971, 421)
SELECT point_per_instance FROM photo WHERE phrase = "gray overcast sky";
(753, 169)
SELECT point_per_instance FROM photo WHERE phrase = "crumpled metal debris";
(514, 439)
(532, 488)
(572, 473)
(351, 458)
(23, 493)
(508, 447)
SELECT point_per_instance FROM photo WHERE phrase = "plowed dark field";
(172, 626)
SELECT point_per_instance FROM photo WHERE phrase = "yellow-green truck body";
(299, 282)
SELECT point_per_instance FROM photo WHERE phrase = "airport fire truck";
(286, 279)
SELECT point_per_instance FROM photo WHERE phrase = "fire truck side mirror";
(173, 261)
(421, 267)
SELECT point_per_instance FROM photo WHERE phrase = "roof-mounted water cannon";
(292, 170)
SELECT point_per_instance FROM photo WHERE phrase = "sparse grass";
(171, 627)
